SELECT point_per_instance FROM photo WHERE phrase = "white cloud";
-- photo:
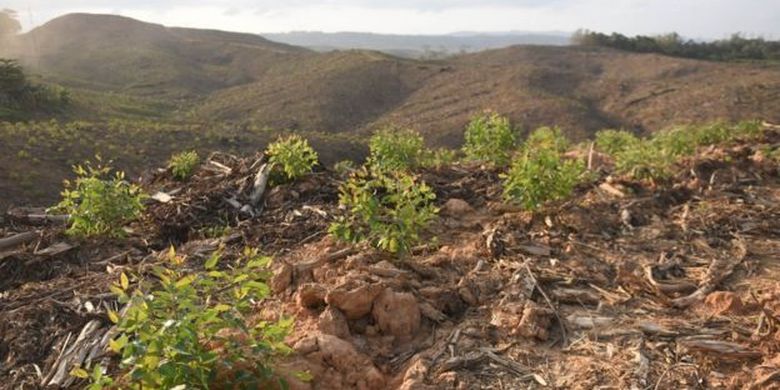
(696, 18)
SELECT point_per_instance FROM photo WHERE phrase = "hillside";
(587, 89)
(625, 284)
(208, 90)
(123, 55)
(579, 89)
(221, 76)
(332, 92)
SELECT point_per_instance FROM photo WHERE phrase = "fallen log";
(18, 239)
(722, 349)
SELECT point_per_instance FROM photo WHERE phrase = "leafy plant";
(395, 149)
(294, 155)
(677, 141)
(748, 129)
(547, 138)
(655, 157)
(98, 378)
(489, 137)
(540, 173)
(613, 142)
(437, 158)
(190, 329)
(98, 202)
(344, 167)
(387, 210)
(645, 160)
(183, 165)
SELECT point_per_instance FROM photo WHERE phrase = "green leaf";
(79, 373)
(304, 376)
(186, 281)
(124, 281)
(113, 316)
(212, 261)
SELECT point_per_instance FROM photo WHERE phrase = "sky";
(707, 19)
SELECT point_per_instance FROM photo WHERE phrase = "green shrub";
(748, 129)
(437, 158)
(395, 149)
(344, 167)
(677, 141)
(490, 138)
(183, 165)
(99, 203)
(545, 138)
(646, 160)
(190, 329)
(387, 210)
(712, 134)
(294, 155)
(539, 173)
(613, 142)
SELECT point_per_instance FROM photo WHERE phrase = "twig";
(53, 369)
(670, 369)
(302, 267)
(564, 339)
(18, 305)
(590, 156)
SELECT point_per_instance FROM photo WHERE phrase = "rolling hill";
(244, 78)
(119, 54)
(214, 90)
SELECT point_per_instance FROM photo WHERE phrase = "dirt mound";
(628, 284)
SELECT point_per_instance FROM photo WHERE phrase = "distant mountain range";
(418, 46)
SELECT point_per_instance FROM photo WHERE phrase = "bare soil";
(627, 284)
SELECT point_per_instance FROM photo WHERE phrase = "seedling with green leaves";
(293, 155)
(183, 165)
(395, 149)
(386, 210)
(98, 202)
(540, 173)
(489, 137)
(189, 329)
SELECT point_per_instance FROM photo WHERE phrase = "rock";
(724, 303)
(447, 301)
(311, 296)
(535, 321)
(455, 207)
(414, 377)
(354, 301)
(506, 316)
(306, 345)
(467, 295)
(358, 369)
(397, 314)
(333, 322)
(282, 278)
(448, 379)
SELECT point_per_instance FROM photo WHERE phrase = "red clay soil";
(626, 285)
